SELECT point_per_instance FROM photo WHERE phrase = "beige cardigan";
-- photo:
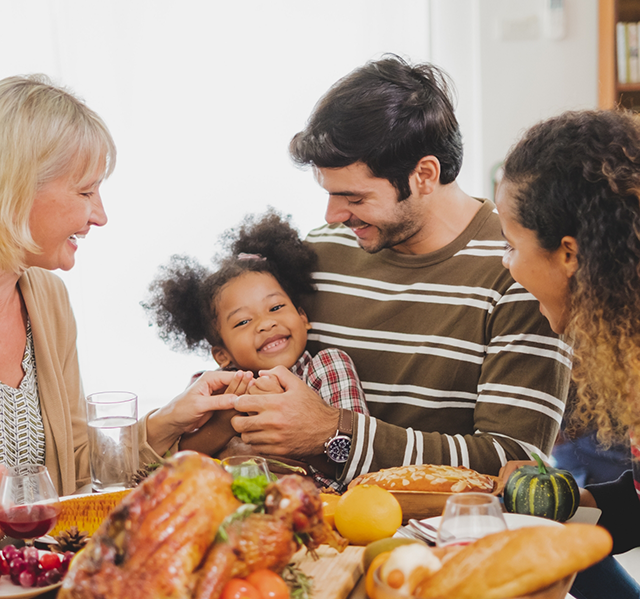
(53, 327)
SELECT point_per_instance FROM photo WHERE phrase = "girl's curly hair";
(578, 175)
(183, 297)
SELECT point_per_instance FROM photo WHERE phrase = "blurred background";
(203, 96)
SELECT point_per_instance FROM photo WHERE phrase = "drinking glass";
(469, 516)
(29, 503)
(112, 419)
(247, 466)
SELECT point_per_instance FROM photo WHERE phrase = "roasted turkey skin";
(151, 543)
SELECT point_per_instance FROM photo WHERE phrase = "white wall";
(509, 73)
(202, 98)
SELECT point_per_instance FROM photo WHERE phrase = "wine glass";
(247, 466)
(29, 503)
(469, 516)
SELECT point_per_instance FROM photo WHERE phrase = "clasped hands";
(279, 414)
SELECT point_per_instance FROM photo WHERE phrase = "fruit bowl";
(558, 590)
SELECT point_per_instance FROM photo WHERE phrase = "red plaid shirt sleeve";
(332, 375)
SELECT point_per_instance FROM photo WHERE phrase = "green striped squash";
(542, 491)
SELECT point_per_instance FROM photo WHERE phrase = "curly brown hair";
(578, 175)
(183, 297)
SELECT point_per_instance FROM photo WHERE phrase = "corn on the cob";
(88, 512)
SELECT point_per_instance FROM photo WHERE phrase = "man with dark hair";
(458, 365)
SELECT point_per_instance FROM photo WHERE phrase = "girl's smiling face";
(259, 325)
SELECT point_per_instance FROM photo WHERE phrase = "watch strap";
(345, 423)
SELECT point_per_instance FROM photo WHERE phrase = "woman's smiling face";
(545, 274)
(63, 211)
(259, 325)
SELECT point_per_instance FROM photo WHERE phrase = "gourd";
(542, 491)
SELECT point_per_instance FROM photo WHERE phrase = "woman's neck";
(8, 290)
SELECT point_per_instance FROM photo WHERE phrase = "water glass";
(469, 516)
(247, 466)
(112, 418)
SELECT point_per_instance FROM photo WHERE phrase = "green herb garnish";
(240, 514)
(250, 490)
(300, 585)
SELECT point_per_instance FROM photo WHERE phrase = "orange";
(377, 562)
(366, 513)
(329, 503)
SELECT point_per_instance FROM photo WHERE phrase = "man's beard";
(389, 235)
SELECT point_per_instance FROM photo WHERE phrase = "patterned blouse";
(21, 427)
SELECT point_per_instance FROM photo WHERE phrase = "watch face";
(338, 449)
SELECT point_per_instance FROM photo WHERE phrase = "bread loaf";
(517, 562)
(428, 477)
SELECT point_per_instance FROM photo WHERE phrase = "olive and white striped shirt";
(458, 365)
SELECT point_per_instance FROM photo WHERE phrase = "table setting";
(208, 507)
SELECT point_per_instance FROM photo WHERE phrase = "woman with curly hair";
(248, 315)
(569, 205)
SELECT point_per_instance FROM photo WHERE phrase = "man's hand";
(295, 423)
(191, 409)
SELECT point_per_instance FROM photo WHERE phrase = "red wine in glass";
(29, 522)
(29, 503)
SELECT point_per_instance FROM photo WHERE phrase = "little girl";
(248, 314)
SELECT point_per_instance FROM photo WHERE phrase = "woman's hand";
(510, 467)
(192, 408)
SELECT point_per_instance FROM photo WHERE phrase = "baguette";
(517, 562)
(428, 478)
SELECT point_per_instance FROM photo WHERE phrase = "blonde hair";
(45, 133)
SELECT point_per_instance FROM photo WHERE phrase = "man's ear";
(305, 318)
(569, 255)
(426, 176)
(221, 356)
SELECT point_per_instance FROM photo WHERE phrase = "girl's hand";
(264, 384)
(240, 382)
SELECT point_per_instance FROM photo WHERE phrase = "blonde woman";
(54, 154)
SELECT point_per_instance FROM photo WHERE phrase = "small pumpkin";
(542, 491)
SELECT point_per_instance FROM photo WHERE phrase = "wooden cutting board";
(334, 574)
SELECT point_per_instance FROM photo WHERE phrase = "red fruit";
(27, 579)
(4, 566)
(269, 584)
(49, 561)
(238, 588)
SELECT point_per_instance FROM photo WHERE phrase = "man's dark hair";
(388, 115)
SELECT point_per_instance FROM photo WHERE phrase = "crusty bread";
(428, 477)
(517, 562)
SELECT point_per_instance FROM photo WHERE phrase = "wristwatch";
(338, 447)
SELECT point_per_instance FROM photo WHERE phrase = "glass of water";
(469, 516)
(246, 466)
(112, 418)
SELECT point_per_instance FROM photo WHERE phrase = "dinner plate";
(513, 521)
(8, 590)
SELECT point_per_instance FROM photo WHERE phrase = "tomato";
(238, 588)
(49, 561)
(270, 585)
